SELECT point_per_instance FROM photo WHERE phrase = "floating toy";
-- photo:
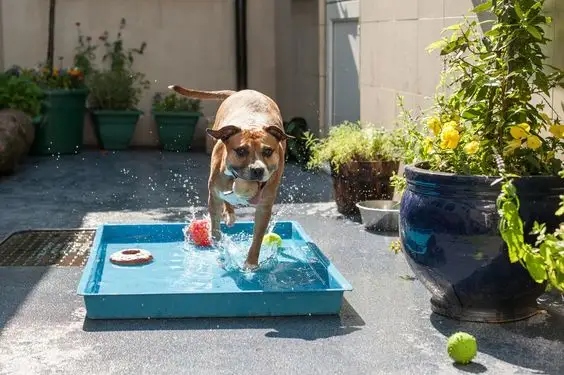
(131, 257)
(462, 347)
(199, 231)
(272, 239)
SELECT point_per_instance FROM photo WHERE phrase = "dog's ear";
(277, 133)
(224, 133)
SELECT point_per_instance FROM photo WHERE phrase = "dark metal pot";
(449, 233)
(361, 181)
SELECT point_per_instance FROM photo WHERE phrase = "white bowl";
(379, 215)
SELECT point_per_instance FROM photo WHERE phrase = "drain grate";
(66, 248)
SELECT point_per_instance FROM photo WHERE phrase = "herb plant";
(172, 102)
(119, 86)
(351, 141)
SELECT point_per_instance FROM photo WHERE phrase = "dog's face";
(252, 154)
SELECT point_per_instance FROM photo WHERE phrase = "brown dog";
(251, 145)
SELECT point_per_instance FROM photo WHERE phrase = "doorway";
(343, 62)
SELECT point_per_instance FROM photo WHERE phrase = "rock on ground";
(16, 136)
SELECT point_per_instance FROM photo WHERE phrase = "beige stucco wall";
(189, 42)
(393, 59)
(394, 62)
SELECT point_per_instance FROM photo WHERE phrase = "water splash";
(232, 250)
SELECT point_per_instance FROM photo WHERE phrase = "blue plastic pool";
(187, 281)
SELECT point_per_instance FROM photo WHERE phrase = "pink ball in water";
(200, 232)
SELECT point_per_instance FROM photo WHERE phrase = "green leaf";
(471, 113)
(536, 267)
(439, 44)
(483, 7)
(456, 26)
(518, 10)
(534, 32)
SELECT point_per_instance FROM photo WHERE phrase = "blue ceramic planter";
(449, 233)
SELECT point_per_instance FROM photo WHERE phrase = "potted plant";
(115, 93)
(482, 146)
(361, 159)
(60, 129)
(176, 119)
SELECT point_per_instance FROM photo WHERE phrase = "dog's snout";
(257, 173)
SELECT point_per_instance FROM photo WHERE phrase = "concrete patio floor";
(385, 327)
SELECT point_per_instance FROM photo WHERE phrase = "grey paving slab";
(386, 326)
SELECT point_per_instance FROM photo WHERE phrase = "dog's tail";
(223, 94)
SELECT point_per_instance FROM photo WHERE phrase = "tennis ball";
(462, 347)
(245, 189)
(272, 239)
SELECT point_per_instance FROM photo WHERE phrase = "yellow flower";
(472, 147)
(557, 131)
(449, 137)
(452, 124)
(512, 145)
(428, 146)
(435, 125)
(533, 142)
(519, 131)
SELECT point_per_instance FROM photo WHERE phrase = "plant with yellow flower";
(482, 144)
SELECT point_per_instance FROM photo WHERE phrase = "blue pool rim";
(89, 268)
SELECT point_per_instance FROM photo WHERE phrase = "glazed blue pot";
(449, 233)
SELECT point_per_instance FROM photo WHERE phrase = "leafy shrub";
(172, 102)
(115, 90)
(19, 92)
(118, 87)
(351, 141)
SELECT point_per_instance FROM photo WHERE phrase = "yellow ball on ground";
(462, 347)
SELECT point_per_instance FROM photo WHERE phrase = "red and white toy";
(199, 231)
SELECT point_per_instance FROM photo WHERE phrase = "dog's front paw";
(229, 218)
(250, 266)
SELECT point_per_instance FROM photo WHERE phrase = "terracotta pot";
(361, 181)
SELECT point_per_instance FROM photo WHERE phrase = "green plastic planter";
(176, 129)
(61, 127)
(115, 128)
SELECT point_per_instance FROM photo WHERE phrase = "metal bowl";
(379, 215)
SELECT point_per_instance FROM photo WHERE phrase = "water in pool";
(180, 267)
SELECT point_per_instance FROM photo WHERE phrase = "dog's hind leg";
(228, 214)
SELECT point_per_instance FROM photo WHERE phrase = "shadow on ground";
(296, 327)
(20, 285)
(472, 368)
(535, 343)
